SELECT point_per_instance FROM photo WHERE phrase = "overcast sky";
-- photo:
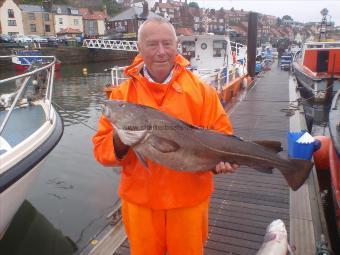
(299, 10)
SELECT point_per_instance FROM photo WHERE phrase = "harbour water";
(73, 192)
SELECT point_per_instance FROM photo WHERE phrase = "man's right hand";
(120, 148)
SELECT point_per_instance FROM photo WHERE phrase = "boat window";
(219, 47)
(188, 49)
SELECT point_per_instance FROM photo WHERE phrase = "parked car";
(52, 41)
(37, 39)
(19, 38)
(286, 61)
(5, 38)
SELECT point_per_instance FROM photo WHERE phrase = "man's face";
(158, 47)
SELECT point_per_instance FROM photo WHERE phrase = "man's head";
(157, 43)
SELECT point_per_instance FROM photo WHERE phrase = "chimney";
(47, 5)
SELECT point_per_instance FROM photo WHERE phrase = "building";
(37, 20)
(10, 18)
(127, 22)
(67, 17)
(94, 22)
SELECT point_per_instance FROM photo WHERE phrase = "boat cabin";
(322, 57)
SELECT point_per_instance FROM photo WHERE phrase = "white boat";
(30, 128)
(218, 61)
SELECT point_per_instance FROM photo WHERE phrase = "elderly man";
(164, 211)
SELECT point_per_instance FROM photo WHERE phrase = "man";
(164, 211)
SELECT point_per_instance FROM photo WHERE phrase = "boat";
(24, 58)
(317, 70)
(334, 156)
(30, 128)
(214, 58)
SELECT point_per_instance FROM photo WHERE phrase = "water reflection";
(31, 233)
(73, 192)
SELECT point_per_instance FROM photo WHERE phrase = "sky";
(299, 10)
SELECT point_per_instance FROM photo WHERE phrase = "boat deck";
(245, 202)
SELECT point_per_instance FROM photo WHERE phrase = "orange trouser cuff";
(181, 231)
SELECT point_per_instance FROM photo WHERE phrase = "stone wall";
(72, 55)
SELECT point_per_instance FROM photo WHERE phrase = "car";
(5, 38)
(19, 38)
(38, 39)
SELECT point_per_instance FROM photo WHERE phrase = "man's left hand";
(225, 167)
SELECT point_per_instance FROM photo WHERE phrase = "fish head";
(277, 226)
(123, 114)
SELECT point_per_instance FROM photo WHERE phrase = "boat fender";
(321, 153)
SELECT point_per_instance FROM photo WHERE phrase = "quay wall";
(72, 55)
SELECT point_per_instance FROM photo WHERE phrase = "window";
(59, 10)
(60, 21)
(31, 16)
(12, 23)
(33, 28)
(219, 48)
(47, 28)
(10, 13)
(76, 22)
(46, 17)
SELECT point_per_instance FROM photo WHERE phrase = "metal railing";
(110, 44)
(23, 82)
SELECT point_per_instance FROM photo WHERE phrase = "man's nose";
(161, 49)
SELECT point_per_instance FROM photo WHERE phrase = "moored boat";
(317, 70)
(23, 59)
(216, 60)
(30, 128)
(334, 155)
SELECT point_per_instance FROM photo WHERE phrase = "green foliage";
(287, 17)
(193, 4)
(112, 7)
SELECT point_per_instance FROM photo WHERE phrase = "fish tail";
(301, 170)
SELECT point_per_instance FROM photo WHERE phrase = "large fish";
(275, 240)
(175, 144)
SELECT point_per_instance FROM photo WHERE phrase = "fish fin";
(162, 144)
(272, 145)
(268, 170)
(269, 237)
(291, 249)
(142, 159)
(298, 173)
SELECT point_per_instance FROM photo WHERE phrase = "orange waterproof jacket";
(186, 98)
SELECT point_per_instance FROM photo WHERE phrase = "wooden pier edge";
(307, 220)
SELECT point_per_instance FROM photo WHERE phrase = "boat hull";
(22, 67)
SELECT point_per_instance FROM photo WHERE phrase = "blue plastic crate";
(299, 150)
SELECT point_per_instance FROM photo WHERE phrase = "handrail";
(49, 86)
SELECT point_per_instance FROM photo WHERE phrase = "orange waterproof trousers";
(181, 231)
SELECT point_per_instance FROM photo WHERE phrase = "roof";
(69, 30)
(131, 13)
(31, 8)
(65, 10)
(92, 15)
(184, 31)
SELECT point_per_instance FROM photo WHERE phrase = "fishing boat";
(30, 128)
(334, 155)
(214, 58)
(24, 58)
(317, 70)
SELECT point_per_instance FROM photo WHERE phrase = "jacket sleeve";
(213, 115)
(103, 148)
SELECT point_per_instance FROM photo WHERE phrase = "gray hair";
(155, 19)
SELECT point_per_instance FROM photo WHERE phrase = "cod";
(170, 142)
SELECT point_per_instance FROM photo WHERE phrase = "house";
(66, 17)
(94, 22)
(128, 21)
(10, 18)
(36, 20)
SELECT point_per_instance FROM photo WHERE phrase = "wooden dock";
(244, 203)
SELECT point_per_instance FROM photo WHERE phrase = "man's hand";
(225, 167)
(120, 148)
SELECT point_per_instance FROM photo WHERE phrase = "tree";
(287, 17)
(193, 4)
(112, 7)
